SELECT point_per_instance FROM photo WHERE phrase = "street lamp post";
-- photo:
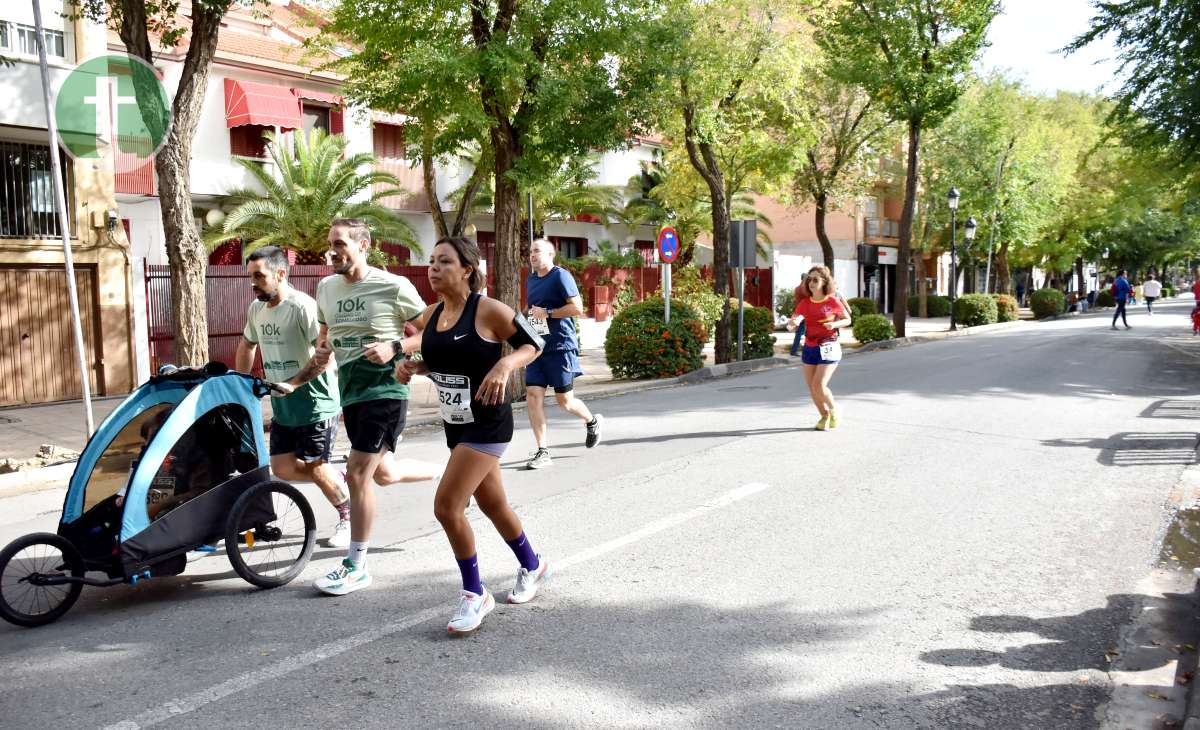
(952, 200)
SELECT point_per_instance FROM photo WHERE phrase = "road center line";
(283, 667)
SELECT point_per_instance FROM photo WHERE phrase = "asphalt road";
(969, 549)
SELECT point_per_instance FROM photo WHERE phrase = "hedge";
(972, 310)
(1104, 298)
(1007, 309)
(640, 345)
(937, 306)
(758, 328)
(860, 306)
(1047, 303)
(689, 287)
(872, 328)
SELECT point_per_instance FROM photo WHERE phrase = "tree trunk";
(429, 178)
(900, 315)
(1003, 273)
(185, 253)
(704, 160)
(1082, 288)
(506, 256)
(822, 202)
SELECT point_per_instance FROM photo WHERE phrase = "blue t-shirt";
(551, 292)
(1122, 289)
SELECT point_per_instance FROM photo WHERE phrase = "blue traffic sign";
(668, 245)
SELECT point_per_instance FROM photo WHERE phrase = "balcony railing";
(882, 228)
(134, 168)
(27, 207)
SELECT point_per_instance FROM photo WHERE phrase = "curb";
(936, 336)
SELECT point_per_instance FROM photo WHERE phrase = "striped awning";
(249, 102)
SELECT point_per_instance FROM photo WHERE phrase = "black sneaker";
(593, 431)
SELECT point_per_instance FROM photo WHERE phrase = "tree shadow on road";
(1132, 448)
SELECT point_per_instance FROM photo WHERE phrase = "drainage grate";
(6, 419)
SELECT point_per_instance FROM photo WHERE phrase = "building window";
(249, 140)
(569, 247)
(27, 41)
(315, 117)
(388, 141)
(5, 37)
(27, 208)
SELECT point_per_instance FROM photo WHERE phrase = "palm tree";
(315, 183)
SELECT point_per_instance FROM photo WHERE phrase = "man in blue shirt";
(1121, 291)
(553, 300)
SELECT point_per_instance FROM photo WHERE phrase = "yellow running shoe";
(833, 419)
(823, 424)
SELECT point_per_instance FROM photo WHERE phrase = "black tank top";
(458, 360)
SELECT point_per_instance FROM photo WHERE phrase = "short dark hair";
(468, 255)
(358, 228)
(275, 257)
(1121, 272)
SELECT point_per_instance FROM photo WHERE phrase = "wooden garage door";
(37, 345)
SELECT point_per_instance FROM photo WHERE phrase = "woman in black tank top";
(460, 345)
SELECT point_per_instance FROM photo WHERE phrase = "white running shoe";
(341, 535)
(348, 578)
(540, 460)
(472, 607)
(528, 582)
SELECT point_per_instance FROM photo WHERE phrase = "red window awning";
(332, 99)
(249, 102)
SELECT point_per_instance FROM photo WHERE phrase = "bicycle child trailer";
(179, 465)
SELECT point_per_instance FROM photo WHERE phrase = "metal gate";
(37, 344)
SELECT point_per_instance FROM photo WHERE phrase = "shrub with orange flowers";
(639, 345)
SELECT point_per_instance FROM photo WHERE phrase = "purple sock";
(524, 552)
(469, 567)
(343, 510)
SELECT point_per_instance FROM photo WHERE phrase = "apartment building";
(36, 338)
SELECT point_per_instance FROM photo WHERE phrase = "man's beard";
(343, 267)
(262, 296)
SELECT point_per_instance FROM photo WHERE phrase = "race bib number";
(831, 350)
(454, 397)
(541, 326)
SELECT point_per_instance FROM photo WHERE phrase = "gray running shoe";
(539, 460)
(593, 431)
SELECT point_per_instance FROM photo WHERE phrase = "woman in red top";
(823, 314)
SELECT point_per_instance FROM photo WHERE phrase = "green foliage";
(1047, 303)
(873, 328)
(688, 286)
(625, 297)
(1159, 102)
(758, 328)
(639, 345)
(972, 310)
(1007, 309)
(314, 183)
(935, 305)
(1168, 291)
(1104, 298)
(785, 303)
(860, 306)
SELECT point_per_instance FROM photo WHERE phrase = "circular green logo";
(113, 105)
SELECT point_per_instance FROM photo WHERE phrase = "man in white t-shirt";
(1151, 289)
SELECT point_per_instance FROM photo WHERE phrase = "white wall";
(146, 238)
(617, 166)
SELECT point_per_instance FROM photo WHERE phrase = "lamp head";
(952, 198)
(970, 228)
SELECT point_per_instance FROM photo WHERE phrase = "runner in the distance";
(460, 345)
(362, 311)
(553, 300)
(823, 314)
(304, 425)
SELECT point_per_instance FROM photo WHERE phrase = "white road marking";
(283, 667)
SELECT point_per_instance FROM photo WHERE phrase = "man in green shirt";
(283, 322)
(362, 311)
